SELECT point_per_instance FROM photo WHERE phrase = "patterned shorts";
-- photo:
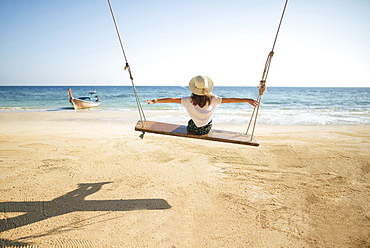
(192, 128)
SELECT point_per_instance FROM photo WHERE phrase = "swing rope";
(128, 68)
(262, 85)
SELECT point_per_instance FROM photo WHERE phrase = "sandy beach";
(86, 179)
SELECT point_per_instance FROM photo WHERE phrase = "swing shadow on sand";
(35, 211)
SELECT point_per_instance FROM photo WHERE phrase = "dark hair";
(201, 101)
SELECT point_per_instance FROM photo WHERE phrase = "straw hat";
(201, 85)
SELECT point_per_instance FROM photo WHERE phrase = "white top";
(201, 116)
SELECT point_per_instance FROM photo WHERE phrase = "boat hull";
(81, 104)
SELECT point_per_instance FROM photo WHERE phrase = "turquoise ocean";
(279, 105)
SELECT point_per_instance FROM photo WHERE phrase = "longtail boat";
(92, 100)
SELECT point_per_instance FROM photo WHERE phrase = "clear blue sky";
(70, 42)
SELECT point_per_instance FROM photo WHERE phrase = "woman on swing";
(201, 104)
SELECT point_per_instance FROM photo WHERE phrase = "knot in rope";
(271, 54)
(262, 87)
(129, 70)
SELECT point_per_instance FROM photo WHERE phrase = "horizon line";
(99, 85)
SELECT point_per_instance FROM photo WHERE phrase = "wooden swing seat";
(181, 130)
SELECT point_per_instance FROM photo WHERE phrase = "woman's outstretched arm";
(164, 100)
(252, 102)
